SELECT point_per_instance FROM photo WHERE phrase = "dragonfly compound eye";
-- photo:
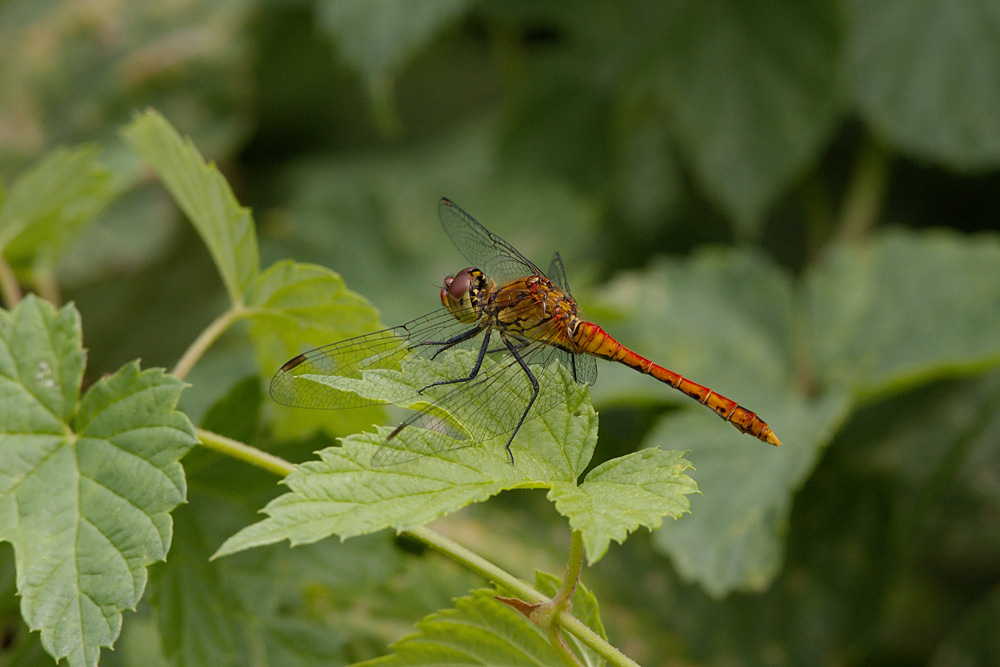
(459, 286)
(460, 297)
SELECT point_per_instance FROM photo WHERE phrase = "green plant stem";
(206, 338)
(455, 551)
(545, 613)
(865, 194)
(243, 452)
(45, 282)
(522, 589)
(573, 568)
(9, 287)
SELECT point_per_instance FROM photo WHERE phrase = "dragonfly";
(505, 323)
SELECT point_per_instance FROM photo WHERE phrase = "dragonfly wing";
(582, 366)
(299, 382)
(557, 274)
(465, 413)
(485, 250)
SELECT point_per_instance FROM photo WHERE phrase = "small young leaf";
(623, 494)
(293, 306)
(205, 197)
(480, 630)
(51, 202)
(87, 486)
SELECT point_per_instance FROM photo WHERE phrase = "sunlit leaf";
(88, 484)
(346, 494)
(295, 307)
(623, 494)
(205, 197)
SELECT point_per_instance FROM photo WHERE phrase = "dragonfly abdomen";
(592, 339)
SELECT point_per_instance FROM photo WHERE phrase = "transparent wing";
(582, 366)
(380, 350)
(557, 274)
(485, 250)
(487, 406)
(464, 413)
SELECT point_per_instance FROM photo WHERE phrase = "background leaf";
(48, 205)
(928, 332)
(911, 62)
(85, 483)
(753, 96)
(294, 307)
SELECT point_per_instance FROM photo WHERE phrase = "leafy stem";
(559, 604)
(865, 193)
(244, 452)
(9, 287)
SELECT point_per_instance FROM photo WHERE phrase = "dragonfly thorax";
(464, 294)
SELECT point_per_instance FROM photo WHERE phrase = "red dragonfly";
(504, 322)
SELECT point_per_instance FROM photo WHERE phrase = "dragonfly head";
(464, 294)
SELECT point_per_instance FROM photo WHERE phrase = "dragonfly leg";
(534, 392)
(520, 345)
(450, 343)
(475, 367)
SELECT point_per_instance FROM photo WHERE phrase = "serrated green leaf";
(924, 76)
(294, 307)
(753, 91)
(205, 197)
(480, 630)
(622, 494)
(50, 203)
(905, 308)
(87, 487)
(344, 494)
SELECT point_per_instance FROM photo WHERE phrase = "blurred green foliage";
(812, 144)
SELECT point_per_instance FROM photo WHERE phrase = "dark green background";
(700, 166)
